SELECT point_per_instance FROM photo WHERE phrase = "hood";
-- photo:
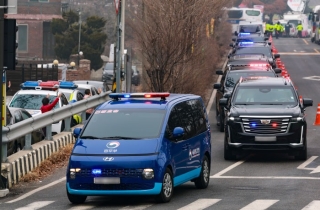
(33, 112)
(115, 147)
(274, 110)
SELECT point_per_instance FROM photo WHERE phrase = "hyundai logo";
(265, 122)
(108, 159)
(113, 144)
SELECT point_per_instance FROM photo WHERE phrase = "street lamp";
(79, 55)
(55, 62)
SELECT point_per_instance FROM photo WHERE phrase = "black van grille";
(265, 125)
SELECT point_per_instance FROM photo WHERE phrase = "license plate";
(106, 180)
(266, 138)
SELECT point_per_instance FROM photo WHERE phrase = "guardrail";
(26, 127)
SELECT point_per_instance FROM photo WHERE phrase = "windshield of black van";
(125, 124)
(234, 76)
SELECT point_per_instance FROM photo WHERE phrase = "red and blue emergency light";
(117, 96)
(48, 85)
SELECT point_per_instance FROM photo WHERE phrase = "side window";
(95, 91)
(173, 122)
(79, 96)
(186, 117)
(17, 117)
(25, 115)
(64, 100)
(199, 117)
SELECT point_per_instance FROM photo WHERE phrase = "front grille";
(112, 172)
(123, 186)
(265, 125)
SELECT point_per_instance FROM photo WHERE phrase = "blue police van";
(141, 144)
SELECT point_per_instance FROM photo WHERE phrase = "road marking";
(84, 207)
(35, 205)
(316, 50)
(259, 205)
(266, 177)
(316, 78)
(141, 207)
(297, 53)
(307, 162)
(314, 205)
(305, 41)
(37, 190)
(200, 204)
(227, 169)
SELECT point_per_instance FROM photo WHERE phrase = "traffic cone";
(317, 121)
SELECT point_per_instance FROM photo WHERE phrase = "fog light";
(148, 173)
(72, 175)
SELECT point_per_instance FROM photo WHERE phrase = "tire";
(167, 188)
(217, 117)
(76, 199)
(228, 153)
(303, 154)
(203, 180)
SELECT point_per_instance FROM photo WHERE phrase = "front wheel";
(202, 181)
(221, 120)
(167, 187)
(76, 199)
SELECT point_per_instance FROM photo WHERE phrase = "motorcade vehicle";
(13, 116)
(252, 27)
(31, 94)
(108, 73)
(264, 50)
(235, 15)
(115, 155)
(265, 115)
(250, 38)
(96, 84)
(235, 70)
(92, 88)
(240, 45)
(296, 18)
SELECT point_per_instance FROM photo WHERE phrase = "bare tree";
(181, 43)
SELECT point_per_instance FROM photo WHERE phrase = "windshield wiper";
(244, 104)
(271, 104)
(118, 137)
(89, 137)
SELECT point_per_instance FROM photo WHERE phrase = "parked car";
(108, 73)
(83, 87)
(15, 115)
(96, 84)
(135, 80)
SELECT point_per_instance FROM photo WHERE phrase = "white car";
(92, 88)
(30, 98)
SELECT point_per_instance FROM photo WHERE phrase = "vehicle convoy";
(168, 147)
(239, 69)
(265, 114)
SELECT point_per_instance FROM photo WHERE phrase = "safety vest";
(299, 27)
(76, 117)
(267, 27)
(282, 28)
(278, 27)
(271, 27)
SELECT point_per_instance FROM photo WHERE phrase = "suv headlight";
(297, 119)
(148, 173)
(234, 119)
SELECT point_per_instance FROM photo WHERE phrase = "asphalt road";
(256, 182)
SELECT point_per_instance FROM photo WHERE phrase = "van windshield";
(126, 123)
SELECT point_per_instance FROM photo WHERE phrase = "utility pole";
(123, 56)
(118, 50)
(3, 190)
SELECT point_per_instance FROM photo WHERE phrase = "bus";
(235, 15)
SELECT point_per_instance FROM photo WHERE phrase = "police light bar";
(49, 85)
(138, 95)
(243, 43)
(67, 85)
(259, 65)
(244, 34)
(30, 85)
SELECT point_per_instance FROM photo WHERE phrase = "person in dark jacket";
(287, 29)
(9, 86)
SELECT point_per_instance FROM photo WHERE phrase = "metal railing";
(26, 127)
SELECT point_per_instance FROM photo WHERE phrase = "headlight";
(234, 119)
(296, 119)
(148, 173)
(73, 172)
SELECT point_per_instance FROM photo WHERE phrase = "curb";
(24, 161)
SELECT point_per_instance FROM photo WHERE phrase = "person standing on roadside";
(287, 29)
(299, 28)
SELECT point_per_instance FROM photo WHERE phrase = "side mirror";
(231, 45)
(226, 95)
(76, 132)
(277, 70)
(236, 33)
(219, 72)
(276, 55)
(307, 102)
(234, 39)
(217, 86)
(269, 43)
(266, 38)
(223, 102)
(178, 132)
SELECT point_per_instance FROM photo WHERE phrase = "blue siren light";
(138, 95)
(244, 34)
(96, 171)
(246, 42)
(67, 85)
(30, 84)
(253, 125)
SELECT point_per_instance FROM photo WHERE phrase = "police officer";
(299, 28)
(271, 28)
(277, 29)
(266, 31)
(287, 29)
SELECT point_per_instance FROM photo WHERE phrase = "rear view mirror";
(307, 102)
(276, 55)
(269, 43)
(277, 70)
(266, 38)
(219, 72)
(217, 86)
(231, 45)
(236, 33)
(234, 39)
(223, 102)
(76, 132)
